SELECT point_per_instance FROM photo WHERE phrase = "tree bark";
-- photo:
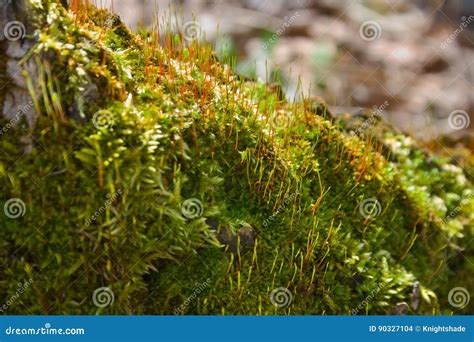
(16, 39)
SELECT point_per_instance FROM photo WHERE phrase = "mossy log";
(142, 166)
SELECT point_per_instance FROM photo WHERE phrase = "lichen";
(131, 126)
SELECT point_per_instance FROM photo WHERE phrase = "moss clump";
(154, 165)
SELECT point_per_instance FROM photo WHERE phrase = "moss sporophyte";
(159, 120)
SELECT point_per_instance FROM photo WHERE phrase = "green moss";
(166, 123)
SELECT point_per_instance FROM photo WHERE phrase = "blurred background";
(410, 60)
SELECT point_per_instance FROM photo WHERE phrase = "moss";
(160, 124)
